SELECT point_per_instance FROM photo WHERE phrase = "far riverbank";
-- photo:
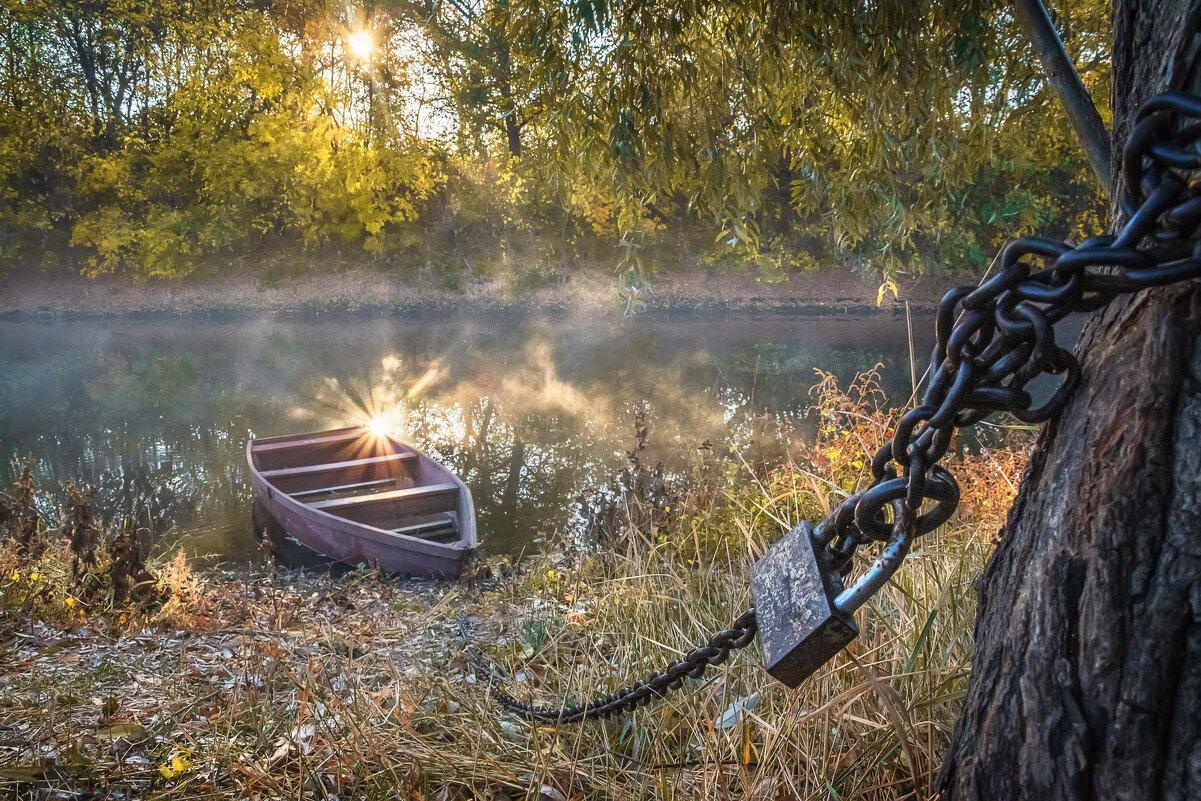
(25, 294)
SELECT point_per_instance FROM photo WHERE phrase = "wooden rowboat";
(359, 496)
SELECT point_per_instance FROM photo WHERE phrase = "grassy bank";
(266, 683)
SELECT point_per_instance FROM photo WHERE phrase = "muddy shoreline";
(39, 296)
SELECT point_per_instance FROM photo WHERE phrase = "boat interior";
(363, 477)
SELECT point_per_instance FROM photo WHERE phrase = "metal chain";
(693, 665)
(992, 340)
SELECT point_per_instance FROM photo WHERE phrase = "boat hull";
(354, 542)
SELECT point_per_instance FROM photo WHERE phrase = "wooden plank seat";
(349, 432)
(343, 445)
(315, 479)
(383, 506)
(438, 528)
(343, 489)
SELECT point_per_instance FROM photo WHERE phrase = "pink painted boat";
(361, 497)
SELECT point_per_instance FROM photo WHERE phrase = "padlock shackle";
(891, 557)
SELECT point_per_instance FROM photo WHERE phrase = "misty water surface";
(530, 411)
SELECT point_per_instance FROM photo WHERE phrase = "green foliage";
(217, 141)
(184, 135)
(875, 126)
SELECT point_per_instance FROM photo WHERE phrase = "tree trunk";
(516, 465)
(1086, 681)
(513, 134)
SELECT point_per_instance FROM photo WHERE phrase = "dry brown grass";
(361, 687)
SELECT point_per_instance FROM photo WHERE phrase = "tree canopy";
(171, 137)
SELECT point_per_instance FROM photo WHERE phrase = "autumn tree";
(481, 66)
(893, 137)
(908, 135)
(165, 138)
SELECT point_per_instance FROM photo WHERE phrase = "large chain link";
(992, 340)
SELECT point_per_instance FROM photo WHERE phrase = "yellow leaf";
(886, 287)
(178, 764)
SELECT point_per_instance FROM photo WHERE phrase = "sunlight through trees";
(188, 135)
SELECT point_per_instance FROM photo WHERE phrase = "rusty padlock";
(800, 628)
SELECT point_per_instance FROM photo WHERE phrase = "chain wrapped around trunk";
(992, 340)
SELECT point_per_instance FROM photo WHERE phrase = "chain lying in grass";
(671, 678)
(992, 340)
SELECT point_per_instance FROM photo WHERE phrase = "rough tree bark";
(1086, 682)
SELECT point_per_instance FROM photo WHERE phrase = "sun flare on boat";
(380, 401)
(389, 423)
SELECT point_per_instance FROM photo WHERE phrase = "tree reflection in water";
(531, 411)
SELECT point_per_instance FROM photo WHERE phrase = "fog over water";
(529, 410)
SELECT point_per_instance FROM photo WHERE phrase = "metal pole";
(912, 358)
(1061, 74)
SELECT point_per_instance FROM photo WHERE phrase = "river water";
(529, 410)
